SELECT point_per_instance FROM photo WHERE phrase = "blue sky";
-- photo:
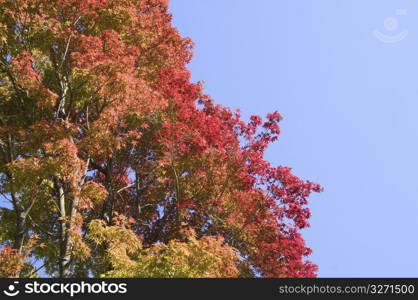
(349, 102)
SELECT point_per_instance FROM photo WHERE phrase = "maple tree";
(115, 164)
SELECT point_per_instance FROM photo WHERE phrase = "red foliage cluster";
(279, 196)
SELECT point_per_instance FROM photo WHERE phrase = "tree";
(113, 163)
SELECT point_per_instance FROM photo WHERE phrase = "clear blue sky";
(349, 101)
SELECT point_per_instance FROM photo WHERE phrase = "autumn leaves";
(123, 166)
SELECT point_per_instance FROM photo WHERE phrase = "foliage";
(10, 262)
(120, 166)
(191, 258)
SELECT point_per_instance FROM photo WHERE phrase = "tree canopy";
(114, 164)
